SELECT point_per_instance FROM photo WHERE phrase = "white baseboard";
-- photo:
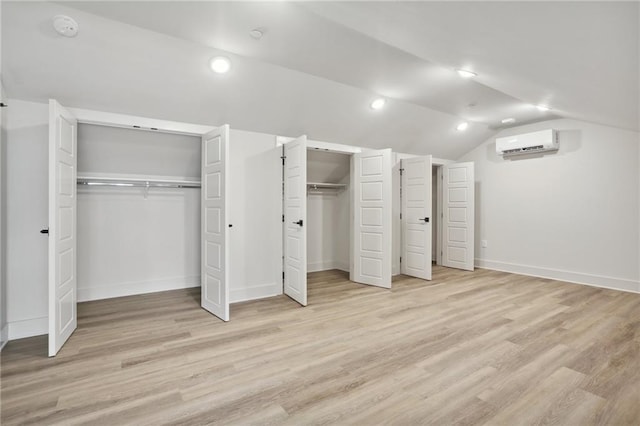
(4, 336)
(327, 265)
(27, 328)
(86, 294)
(560, 275)
(255, 292)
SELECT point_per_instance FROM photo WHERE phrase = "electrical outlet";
(484, 243)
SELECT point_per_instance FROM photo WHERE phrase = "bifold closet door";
(295, 219)
(371, 183)
(458, 209)
(63, 159)
(416, 217)
(214, 217)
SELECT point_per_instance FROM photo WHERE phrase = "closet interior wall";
(132, 240)
(328, 211)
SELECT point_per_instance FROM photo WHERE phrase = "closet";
(368, 193)
(328, 210)
(390, 214)
(150, 214)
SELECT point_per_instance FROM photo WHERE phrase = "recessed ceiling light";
(256, 33)
(466, 73)
(543, 107)
(508, 120)
(378, 103)
(462, 126)
(220, 64)
(65, 25)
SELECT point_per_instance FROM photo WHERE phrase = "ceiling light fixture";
(65, 25)
(256, 33)
(508, 120)
(543, 107)
(378, 103)
(466, 73)
(462, 126)
(220, 64)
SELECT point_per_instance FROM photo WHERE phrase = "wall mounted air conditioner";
(527, 143)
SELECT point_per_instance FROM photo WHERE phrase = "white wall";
(27, 200)
(328, 232)
(4, 330)
(255, 213)
(327, 223)
(571, 215)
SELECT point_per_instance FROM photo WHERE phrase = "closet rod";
(138, 183)
(319, 185)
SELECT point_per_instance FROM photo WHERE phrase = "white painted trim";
(132, 288)
(325, 146)
(560, 275)
(4, 336)
(101, 118)
(28, 328)
(327, 265)
(440, 162)
(255, 292)
(138, 177)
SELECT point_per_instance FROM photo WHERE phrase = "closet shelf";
(319, 187)
(135, 182)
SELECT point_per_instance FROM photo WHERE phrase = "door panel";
(371, 183)
(295, 220)
(214, 217)
(416, 217)
(458, 193)
(63, 319)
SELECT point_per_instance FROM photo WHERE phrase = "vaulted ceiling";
(319, 65)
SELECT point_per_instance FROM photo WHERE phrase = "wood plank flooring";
(466, 348)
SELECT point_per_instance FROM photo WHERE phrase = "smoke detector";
(65, 25)
(256, 33)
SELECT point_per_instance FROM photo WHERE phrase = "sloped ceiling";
(319, 65)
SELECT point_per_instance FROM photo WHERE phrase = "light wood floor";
(466, 348)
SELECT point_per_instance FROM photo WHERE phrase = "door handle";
(44, 231)
(299, 222)
(426, 219)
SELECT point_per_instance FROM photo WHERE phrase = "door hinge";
(282, 218)
(401, 170)
(400, 216)
(283, 158)
(400, 259)
(282, 275)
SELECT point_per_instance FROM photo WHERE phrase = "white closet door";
(371, 183)
(295, 218)
(214, 216)
(416, 217)
(63, 158)
(458, 216)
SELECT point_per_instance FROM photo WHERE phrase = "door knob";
(299, 222)
(44, 231)
(426, 219)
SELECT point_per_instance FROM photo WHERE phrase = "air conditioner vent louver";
(527, 149)
(544, 140)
